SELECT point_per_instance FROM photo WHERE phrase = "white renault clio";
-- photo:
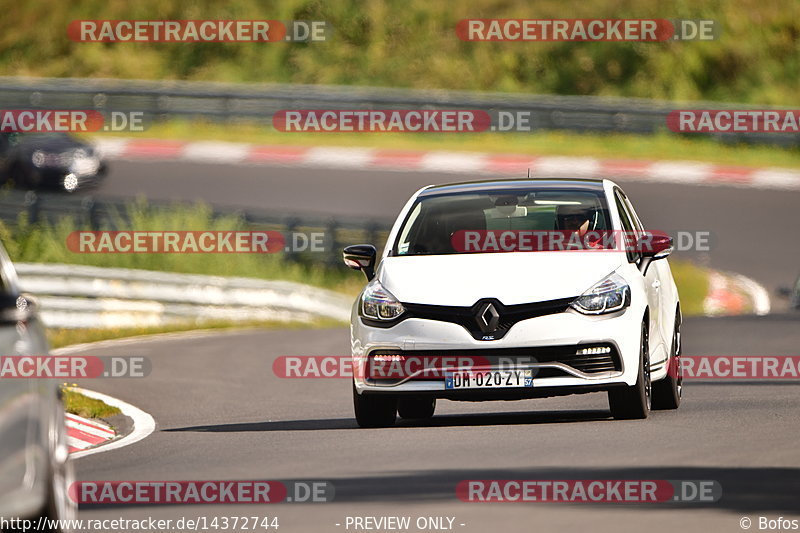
(515, 289)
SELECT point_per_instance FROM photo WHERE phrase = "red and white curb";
(83, 433)
(679, 172)
(734, 294)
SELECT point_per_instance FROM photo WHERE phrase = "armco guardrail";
(75, 296)
(258, 102)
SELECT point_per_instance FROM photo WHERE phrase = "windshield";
(489, 221)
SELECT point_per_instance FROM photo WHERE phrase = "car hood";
(512, 278)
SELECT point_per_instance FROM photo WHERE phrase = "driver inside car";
(577, 219)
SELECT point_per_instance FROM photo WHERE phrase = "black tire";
(17, 175)
(633, 403)
(22, 178)
(416, 408)
(668, 391)
(374, 410)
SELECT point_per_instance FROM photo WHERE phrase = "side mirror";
(361, 257)
(655, 246)
(15, 308)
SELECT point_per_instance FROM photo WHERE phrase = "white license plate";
(489, 379)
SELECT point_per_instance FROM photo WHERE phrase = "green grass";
(412, 43)
(80, 405)
(45, 243)
(692, 282)
(58, 337)
(663, 145)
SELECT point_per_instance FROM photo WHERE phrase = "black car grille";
(467, 317)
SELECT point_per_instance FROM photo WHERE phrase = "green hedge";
(412, 43)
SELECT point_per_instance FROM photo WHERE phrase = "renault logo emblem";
(488, 318)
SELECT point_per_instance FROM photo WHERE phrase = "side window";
(404, 241)
(627, 227)
(637, 223)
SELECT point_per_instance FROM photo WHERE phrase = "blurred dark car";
(53, 161)
(792, 293)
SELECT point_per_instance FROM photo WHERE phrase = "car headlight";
(38, 158)
(377, 303)
(609, 295)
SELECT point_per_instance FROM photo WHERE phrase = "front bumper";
(545, 340)
(56, 177)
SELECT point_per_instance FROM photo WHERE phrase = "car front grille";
(467, 317)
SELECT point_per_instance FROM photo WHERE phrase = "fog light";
(594, 350)
(386, 366)
(70, 182)
(387, 358)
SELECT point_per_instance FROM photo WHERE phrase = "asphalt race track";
(222, 414)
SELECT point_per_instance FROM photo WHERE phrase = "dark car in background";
(55, 161)
(792, 294)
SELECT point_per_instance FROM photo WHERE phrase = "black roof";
(514, 184)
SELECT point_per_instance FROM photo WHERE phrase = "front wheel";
(416, 408)
(374, 410)
(19, 176)
(632, 403)
(667, 392)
